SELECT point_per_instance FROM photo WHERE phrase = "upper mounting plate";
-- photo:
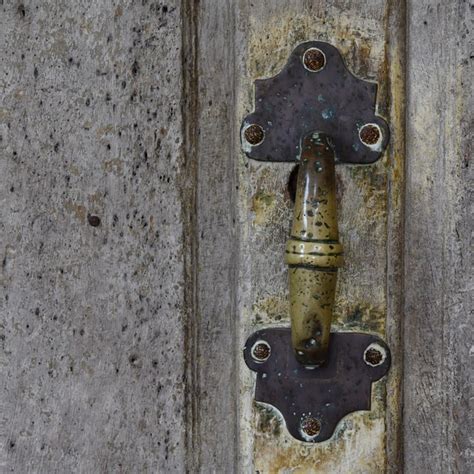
(299, 100)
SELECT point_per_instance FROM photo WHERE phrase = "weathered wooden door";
(140, 247)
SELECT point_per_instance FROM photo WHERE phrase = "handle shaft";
(313, 252)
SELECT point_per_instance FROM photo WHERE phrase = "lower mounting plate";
(314, 400)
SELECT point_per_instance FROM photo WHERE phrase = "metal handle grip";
(313, 252)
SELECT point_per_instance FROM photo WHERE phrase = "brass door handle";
(316, 113)
(313, 252)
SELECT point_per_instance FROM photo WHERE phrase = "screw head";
(254, 134)
(374, 355)
(261, 351)
(310, 427)
(314, 59)
(370, 134)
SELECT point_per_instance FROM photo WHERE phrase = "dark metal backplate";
(297, 101)
(324, 393)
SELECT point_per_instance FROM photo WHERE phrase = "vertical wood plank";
(371, 38)
(92, 316)
(215, 388)
(438, 419)
(393, 89)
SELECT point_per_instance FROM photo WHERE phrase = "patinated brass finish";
(313, 252)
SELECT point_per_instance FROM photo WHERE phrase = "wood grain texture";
(121, 342)
(438, 381)
(215, 425)
(92, 317)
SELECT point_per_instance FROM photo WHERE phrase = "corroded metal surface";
(314, 91)
(313, 252)
(321, 397)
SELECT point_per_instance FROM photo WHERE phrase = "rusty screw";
(314, 59)
(369, 134)
(254, 134)
(374, 355)
(310, 426)
(261, 351)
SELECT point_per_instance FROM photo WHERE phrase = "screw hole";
(254, 134)
(375, 355)
(370, 135)
(94, 221)
(314, 59)
(261, 351)
(310, 427)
